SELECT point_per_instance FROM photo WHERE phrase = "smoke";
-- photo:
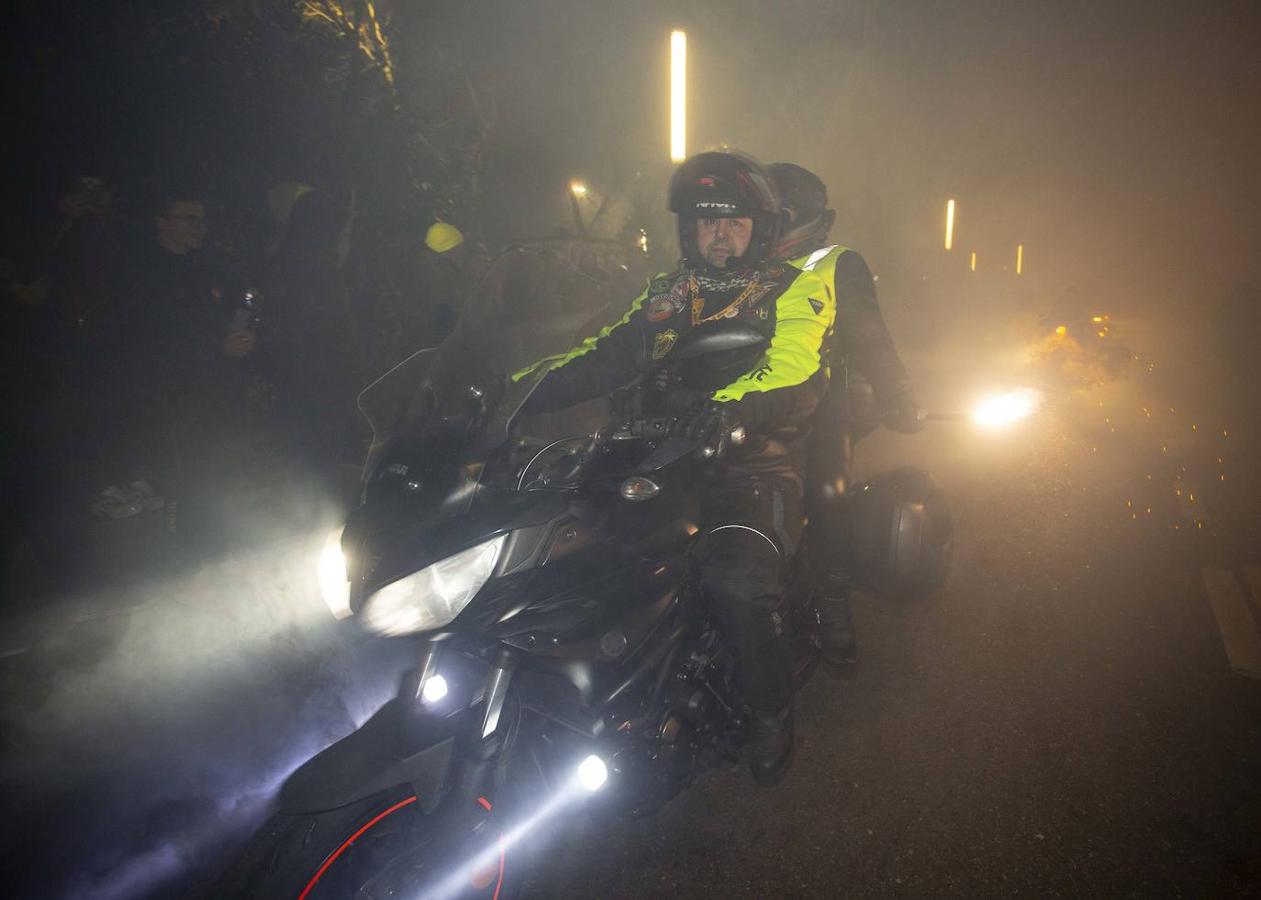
(144, 729)
(148, 729)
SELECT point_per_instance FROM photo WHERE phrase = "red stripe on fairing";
(485, 803)
(358, 834)
(503, 855)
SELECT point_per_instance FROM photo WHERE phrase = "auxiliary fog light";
(434, 689)
(592, 773)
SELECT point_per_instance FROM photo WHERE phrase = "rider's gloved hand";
(906, 415)
(710, 424)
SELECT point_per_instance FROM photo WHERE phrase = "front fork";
(469, 782)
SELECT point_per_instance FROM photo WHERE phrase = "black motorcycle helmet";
(725, 185)
(804, 199)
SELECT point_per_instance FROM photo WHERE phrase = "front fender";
(395, 746)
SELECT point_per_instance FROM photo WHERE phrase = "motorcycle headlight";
(432, 597)
(331, 570)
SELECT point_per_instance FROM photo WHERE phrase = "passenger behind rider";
(868, 384)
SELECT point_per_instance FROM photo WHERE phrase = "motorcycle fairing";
(393, 747)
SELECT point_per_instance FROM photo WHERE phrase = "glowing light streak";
(950, 223)
(678, 96)
(568, 795)
(972, 264)
(1020, 259)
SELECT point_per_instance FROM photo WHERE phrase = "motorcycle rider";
(728, 223)
(864, 362)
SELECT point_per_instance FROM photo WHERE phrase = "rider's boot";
(771, 746)
(836, 627)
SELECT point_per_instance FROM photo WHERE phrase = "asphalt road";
(1061, 719)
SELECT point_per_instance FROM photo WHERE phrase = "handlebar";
(662, 430)
(674, 446)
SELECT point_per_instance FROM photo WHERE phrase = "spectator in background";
(177, 303)
(308, 331)
(86, 253)
(81, 319)
(176, 313)
(29, 453)
(449, 271)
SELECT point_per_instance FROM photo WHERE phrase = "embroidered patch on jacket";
(663, 343)
(669, 301)
(817, 306)
(660, 309)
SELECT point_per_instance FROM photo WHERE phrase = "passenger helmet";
(803, 197)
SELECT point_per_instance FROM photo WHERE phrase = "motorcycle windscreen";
(451, 406)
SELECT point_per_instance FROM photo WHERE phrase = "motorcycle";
(565, 656)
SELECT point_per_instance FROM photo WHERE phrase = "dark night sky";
(1117, 140)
